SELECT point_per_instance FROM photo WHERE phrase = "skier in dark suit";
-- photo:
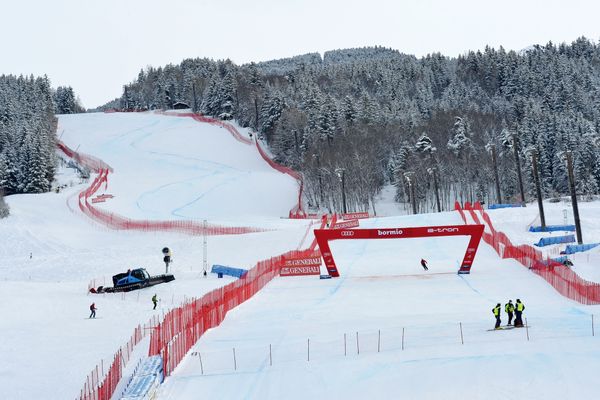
(424, 264)
(519, 308)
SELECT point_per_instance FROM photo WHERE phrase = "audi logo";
(347, 233)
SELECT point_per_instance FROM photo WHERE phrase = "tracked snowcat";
(133, 279)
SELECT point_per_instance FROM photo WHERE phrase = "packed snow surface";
(384, 329)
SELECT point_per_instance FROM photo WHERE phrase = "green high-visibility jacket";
(496, 310)
(509, 307)
(520, 306)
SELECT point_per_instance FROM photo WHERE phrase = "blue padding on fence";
(495, 206)
(151, 366)
(577, 248)
(552, 228)
(139, 386)
(547, 241)
(221, 269)
(147, 376)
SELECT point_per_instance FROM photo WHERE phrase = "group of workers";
(510, 309)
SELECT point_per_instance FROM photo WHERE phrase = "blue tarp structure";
(560, 259)
(552, 228)
(148, 375)
(547, 241)
(495, 206)
(221, 270)
(576, 248)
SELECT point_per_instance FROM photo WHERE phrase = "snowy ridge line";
(298, 210)
(100, 385)
(116, 221)
(560, 277)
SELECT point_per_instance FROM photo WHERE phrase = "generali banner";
(301, 266)
(296, 271)
(356, 215)
(353, 223)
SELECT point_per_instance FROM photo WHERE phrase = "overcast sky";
(97, 46)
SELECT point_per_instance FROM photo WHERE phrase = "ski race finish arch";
(323, 237)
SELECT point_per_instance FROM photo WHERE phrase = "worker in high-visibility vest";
(519, 307)
(496, 311)
(510, 309)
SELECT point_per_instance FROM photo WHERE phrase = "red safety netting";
(297, 211)
(116, 221)
(561, 277)
(183, 326)
(101, 385)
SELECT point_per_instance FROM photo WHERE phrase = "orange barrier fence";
(561, 277)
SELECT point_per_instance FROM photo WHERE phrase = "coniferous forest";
(375, 116)
(28, 133)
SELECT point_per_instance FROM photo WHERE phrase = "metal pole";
(204, 249)
(574, 196)
(518, 165)
(308, 350)
(402, 338)
(344, 190)
(345, 352)
(435, 185)
(414, 201)
(378, 340)
(234, 361)
(270, 355)
(201, 366)
(538, 189)
(357, 346)
(461, 333)
(527, 328)
(592, 324)
(496, 177)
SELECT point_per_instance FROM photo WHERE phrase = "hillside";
(175, 168)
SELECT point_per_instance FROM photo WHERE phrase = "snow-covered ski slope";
(383, 292)
(180, 168)
(176, 168)
(50, 251)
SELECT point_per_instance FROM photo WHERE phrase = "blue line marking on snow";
(462, 276)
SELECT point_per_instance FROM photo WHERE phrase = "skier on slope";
(93, 310)
(496, 311)
(424, 264)
(155, 301)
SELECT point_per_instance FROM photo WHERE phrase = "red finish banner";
(355, 215)
(324, 236)
(353, 223)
